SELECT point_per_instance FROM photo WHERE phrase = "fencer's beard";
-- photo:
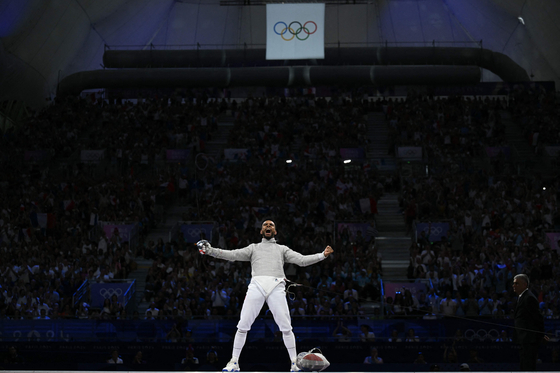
(266, 238)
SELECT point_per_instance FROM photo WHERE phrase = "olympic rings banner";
(436, 230)
(295, 31)
(409, 152)
(197, 232)
(102, 291)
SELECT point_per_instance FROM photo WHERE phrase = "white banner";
(92, 156)
(295, 31)
(409, 152)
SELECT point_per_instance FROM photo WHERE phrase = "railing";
(386, 43)
(130, 295)
(82, 291)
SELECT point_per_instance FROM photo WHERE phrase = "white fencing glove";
(203, 246)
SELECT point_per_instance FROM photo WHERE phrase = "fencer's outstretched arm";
(242, 255)
(294, 257)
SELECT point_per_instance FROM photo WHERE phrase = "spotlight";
(543, 188)
(288, 161)
(347, 161)
(520, 19)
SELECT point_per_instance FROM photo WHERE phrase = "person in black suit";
(529, 323)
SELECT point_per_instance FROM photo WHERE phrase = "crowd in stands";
(51, 238)
(496, 223)
(497, 226)
(305, 198)
(537, 114)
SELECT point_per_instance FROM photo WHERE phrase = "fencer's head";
(268, 229)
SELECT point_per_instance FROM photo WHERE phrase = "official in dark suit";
(529, 323)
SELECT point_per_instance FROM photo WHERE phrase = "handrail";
(79, 294)
(130, 292)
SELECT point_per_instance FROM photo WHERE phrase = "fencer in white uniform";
(267, 285)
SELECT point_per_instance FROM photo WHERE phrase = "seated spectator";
(366, 335)
(342, 333)
(373, 358)
(115, 358)
(189, 362)
(411, 336)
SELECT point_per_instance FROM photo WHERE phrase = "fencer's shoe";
(232, 366)
(294, 367)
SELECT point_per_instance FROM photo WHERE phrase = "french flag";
(42, 220)
(368, 205)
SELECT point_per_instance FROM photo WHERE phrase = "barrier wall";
(271, 356)
(437, 330)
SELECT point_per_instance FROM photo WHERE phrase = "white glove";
(203, 246)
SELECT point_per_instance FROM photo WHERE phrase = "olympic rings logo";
(195, 232)
(482, 335)
(295, 34)
(434, 230)
(108, 292)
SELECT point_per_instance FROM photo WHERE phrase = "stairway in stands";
(378, 147)
(173, 214)
(392, 242)
(522, 152)
(215, 146)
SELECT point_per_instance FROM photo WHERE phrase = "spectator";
(342, 333)
(12, 357)
(420, 359)
(411, 336)
(366, 335)
(211, 363)
(373, 358)
(137, 360)
(503, 337)
(395, 336)
(189, 362)
(115, 358)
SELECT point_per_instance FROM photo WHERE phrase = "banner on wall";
(352, 153)
(553, 238)
(101, 291)
(409, 152)
(36, 155)
(391, 288)
(196, 232)
(236, 154)
(177, 155)
(436, 230)
(295, 31)
(123, 230)
(494, 151)
(353, 228)
(92, 156)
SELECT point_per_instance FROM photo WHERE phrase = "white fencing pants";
(278, 305)
(254, 301)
